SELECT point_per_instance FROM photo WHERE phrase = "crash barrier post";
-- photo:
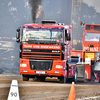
(72, 92)
(13, 93)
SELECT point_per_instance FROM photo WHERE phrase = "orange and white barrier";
(72, 92)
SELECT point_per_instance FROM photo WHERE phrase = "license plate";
(40, 72)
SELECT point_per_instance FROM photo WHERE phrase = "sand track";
(49, 90)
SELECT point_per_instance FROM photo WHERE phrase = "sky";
(15, 13)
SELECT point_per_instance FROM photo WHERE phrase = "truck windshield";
(42, 34)
(92, 37)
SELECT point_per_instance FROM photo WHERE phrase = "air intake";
(48, 22)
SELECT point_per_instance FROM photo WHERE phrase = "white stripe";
(88, 98)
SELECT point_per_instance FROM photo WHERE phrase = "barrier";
(13, 93)
(72, 92)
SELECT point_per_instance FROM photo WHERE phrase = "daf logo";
(56, 51)
(27, 50)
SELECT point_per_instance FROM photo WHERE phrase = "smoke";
(93, 3)
(34, 6)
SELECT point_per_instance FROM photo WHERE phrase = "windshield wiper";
(32, 38)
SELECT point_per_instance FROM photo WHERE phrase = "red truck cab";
(45, 50)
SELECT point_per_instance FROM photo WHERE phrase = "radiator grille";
(41, 64)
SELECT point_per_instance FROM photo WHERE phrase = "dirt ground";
(51, 89)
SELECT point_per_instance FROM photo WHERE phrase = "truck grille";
(41, 54)
(41, 64)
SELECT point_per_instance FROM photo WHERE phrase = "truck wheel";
(74, 79)
(61, 79)
(25, 78)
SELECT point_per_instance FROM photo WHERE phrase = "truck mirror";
(18, 30)
(67, 35)
(18, 35)
(17, 40)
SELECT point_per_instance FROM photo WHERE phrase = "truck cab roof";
(47, 26)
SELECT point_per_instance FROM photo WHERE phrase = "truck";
(88, 67)
(45, 51)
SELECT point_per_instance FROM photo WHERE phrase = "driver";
(95, 39)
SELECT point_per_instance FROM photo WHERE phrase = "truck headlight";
(59, 66)
(25, 71)
(23, 65)
(72, 67)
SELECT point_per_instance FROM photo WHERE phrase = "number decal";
(13, 94)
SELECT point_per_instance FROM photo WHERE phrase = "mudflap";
(97, 71)
(96, 78)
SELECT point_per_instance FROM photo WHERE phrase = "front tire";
(25, 78)
(76, 74)
(61, 79)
